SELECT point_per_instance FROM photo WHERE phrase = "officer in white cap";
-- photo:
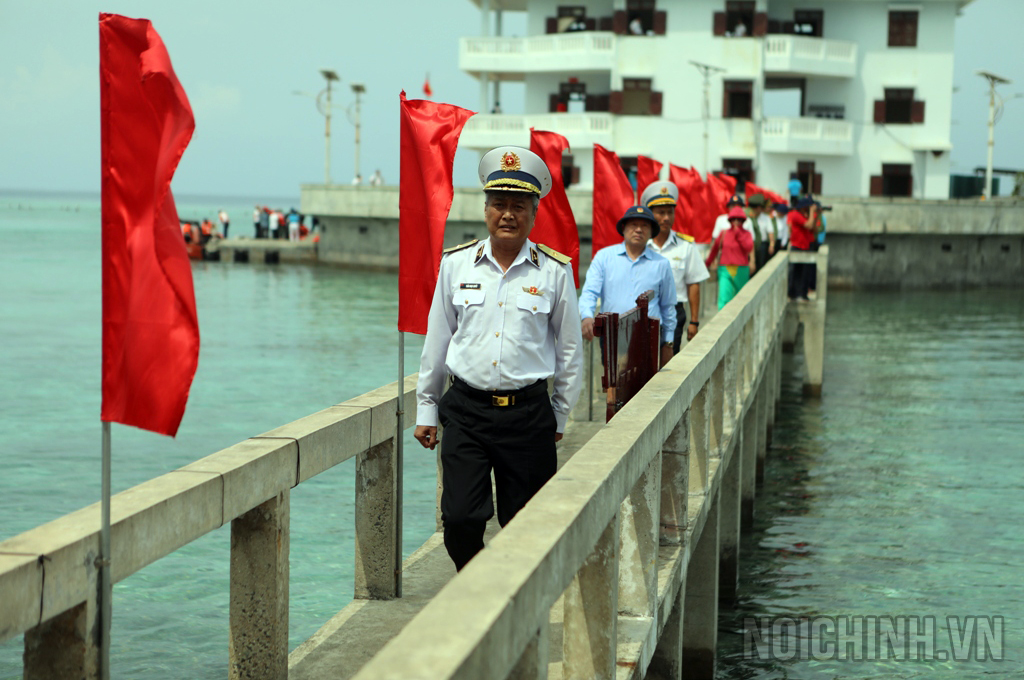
(688, 268)
(502, 322)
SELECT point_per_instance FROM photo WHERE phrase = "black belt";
(496, 398)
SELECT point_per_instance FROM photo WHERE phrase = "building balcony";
(512, 58)
(807, 136)
(583, 130)
(798, 56)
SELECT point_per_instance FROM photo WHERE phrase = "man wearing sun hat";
(688, 268)
(619, 274)
(502, 322)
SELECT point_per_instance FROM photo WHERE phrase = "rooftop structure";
(684, 82)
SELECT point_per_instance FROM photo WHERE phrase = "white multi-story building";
(684, 82)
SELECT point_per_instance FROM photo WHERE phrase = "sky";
(242, 63)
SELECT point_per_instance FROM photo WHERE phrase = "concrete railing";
(630, 543)
(48, 574)
(817, 135)
(485, 131)
(812, 56)
(582, 51)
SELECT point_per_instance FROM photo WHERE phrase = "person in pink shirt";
(736, 244)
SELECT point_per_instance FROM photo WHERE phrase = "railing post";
(258, 644)
(729, 527)
(65, 646)
(667, 662)
(814, 328)
(717, 398)
(700, 613)
(590, 614)
(638, 544)
(700, 447)
(377, 511)
(733, 383)
(533, 664)
(748, 451)
(675, 474)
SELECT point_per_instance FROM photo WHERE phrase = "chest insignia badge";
(532, 290)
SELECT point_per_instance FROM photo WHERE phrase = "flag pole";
(105, 586)
(399, 463)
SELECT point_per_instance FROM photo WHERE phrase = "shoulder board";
(685, 237)
(554, 254)
(460, 246)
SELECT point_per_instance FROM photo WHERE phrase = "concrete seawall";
(876, 242)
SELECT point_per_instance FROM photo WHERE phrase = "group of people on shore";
(274, 223)
(505, 319)
(203, 231)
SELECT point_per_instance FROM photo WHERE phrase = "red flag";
(150, 328)
(613, 195)
(428, 91)
(555, 225)
(429, 135)
(770, 196)
(721, 188)
(684, 206)
(648, 171)
(692, 196)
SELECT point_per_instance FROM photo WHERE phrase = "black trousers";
(516, 441)
(800, 277)
(677, 338)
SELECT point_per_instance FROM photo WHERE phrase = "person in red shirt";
(803, 228)
(736, 244)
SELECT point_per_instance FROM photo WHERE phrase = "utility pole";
(706, 70)
(359, 89)
(993, 80)
(331, 77)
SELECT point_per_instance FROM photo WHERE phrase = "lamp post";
(993, 80)
(358, 89)
(706, 70)
(325, 109)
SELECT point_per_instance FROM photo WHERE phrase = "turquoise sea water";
(900, 492)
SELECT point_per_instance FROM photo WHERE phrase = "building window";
(810, 22)
(570, 172)
(809, 179)
(899, 106)
(903, 29)
(571, 97)
(739, 20)
(740, 168)
(737, 99)
(636, 98)
(896, 180)
(833, 111)
(569, 19)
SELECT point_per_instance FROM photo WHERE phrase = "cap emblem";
(664, 190)
(510, 162)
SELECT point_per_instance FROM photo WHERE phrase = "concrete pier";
(614, 569)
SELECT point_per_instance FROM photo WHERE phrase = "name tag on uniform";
(469, 286)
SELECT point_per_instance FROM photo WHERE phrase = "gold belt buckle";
(502, 401)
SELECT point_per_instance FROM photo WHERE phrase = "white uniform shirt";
(687, 264)
(722, 224)
(764, 225)
(500, 330)
(782, 239)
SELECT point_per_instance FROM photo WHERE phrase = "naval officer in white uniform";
(688, 269)
(502, 322)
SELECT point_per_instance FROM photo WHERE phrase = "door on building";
(896, 179)
(810, 179)
(740, 168)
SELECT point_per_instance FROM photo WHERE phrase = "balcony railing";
(582, 51)
(485, 131)
(801, 55)
(819, 136)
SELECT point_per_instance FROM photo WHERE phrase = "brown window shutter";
(605, 24)
(551, 25)
(620, 22)
(760, 24)
(876, 185)
(590, 23)
(816, 184)
(655, 104)
(719, 23)
(590, 103)
(615, 101)
(917, 112)
(660, 22)
(575, 174)
(552, 103)
(787, 27)
(879, 110)
(911, 30)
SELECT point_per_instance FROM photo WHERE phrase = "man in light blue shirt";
(619, 274)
